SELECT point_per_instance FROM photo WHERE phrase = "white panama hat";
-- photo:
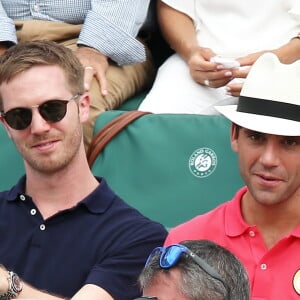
(270, 98)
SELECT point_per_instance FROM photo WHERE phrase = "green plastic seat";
(134, 102)
(170, 167)
(11, 162)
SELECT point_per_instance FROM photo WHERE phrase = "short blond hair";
(25, 55)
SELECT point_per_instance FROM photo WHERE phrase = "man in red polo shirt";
(261, 224)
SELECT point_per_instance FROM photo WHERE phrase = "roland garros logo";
(203, 162)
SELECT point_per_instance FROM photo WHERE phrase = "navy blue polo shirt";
(101, 241)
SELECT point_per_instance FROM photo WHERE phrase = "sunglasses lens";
(53, 110)
(144, 297)
(18, 118)
(170, 256)
(155, 252)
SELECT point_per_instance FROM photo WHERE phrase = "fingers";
(241, 72)
(89, 72)
(234, 89)
(216, 83)
(95, 65)
(102, 82)
(206, 73)
(206, 82)
(217, 79)
(212, 78)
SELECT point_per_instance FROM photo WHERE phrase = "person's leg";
(123, 83)
(174, 91)
(31, 30)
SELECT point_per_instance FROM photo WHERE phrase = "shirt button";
(22, 197)
(252, 233)
(33, 212)
(42, 227)
(263, 267)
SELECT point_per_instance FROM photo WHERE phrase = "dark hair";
(237, 131)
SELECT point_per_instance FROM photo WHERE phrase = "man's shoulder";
(209, 225)
(121, 214)
(201, 221)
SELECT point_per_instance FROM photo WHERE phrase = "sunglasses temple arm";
(209, 270)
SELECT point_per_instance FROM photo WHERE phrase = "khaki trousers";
(123, 82)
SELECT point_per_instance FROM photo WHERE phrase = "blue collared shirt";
(101, 241)
(108, 26)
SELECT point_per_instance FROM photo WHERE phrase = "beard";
(61, 158)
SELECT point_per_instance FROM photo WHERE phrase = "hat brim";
(260, 123)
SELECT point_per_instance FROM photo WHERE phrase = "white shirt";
(234, 28)
(230, 28)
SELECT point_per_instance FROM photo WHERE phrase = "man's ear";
(84, 107)
(234, 137)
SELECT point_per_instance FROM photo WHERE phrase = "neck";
(273, 221)
(61, 190)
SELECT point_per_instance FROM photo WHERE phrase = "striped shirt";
(110, 26)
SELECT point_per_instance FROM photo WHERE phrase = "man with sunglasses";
(105, 35)
(63, 231)
(194, 270)
(261, 224)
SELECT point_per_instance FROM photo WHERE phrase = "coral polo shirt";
(274, 274)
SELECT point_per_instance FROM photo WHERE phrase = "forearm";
(112, 30)
(178, 30)
(289, 52)
(21, 289)
(89, 291)
(28, 292)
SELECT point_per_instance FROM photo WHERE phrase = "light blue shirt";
(110, 26)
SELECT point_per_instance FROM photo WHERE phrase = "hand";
(287, 54)
(205, 72)
(3, 280)
(96, 64)
(246, 62)
(235, 86)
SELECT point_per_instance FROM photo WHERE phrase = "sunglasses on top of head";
(52, 111)
(170, 255)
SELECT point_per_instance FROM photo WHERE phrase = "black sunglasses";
(52, 111)
(170, 255)
(149, 298)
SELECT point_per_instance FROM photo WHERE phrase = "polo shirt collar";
(100, 199)
(235, 225)
(296, 232)
(97, 202)
(17, 190)
(234, 222)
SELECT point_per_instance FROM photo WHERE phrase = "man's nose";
(38, 123)
(269, 156)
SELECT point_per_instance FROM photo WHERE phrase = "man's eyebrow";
(252, 131)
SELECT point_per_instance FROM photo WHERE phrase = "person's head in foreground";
(43, 103)
(266, 132)
(194, 270)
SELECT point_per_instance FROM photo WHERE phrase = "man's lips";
(45, 145)
(268, 178)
